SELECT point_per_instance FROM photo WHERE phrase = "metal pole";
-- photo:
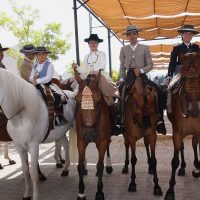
(90, 23)
(76, 33)
(109, 53)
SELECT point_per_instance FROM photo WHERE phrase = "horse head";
(190, 82)
(89, 99)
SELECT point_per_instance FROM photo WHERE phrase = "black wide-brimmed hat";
(131, 29)
(187, 28)
(93, 37)
(41, 49)
(3, 49)
(28, 49)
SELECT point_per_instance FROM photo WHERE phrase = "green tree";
(115, 75)
(22, 27)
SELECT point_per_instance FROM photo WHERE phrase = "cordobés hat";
(131, 29)
(187, 28)
(28, 49)
(93, 37)
(3, 49)
(41, 49)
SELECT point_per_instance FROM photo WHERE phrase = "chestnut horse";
(185, 115)
(140, 120)
(92, 125)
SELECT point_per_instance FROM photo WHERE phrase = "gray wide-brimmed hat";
(3, 49)
(187, 28)
(42, 49)
(131, 29)
(28, 49)
(93, 37)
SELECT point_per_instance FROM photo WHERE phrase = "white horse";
(28, 123)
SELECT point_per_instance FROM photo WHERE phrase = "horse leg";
(177, 140)
(109, 168)
(34, 154)
(56, 154)
(196, 171)
(41, 176)
(25, 168)
(126, 163)
(81, 168)
(65, 144)
(153, 164)
(132, 184)
(181, 171)
(6, 156)
(101, 146)
(146, 144)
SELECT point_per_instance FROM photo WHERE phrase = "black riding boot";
(161, 125)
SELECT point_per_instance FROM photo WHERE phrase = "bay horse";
(185, 115)
(92, 125)
(140, 120)
(28, 123)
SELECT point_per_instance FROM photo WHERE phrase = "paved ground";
(115, 185)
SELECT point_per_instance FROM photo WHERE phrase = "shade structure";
(157, 18)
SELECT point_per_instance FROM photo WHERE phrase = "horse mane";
(20, 94)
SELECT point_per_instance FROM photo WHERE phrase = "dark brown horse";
(92, 125)
(185, 116)
(4, 137)
(140, 116)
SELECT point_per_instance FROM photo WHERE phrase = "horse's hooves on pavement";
(181, 172)
(125, 170)
(59, 165)
(109, 169)
(195, 175)
(12, 162)
(62, 161)
(65, 173)
(42, 177)
(158, 191)
(26, 198)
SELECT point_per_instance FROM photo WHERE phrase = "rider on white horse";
(42, 73)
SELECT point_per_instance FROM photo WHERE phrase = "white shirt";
(45, 79)
(93, 62)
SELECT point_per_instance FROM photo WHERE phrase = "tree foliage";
(21, 24)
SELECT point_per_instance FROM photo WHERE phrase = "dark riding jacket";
(175, 55)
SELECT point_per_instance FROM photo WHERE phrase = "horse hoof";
(109, 170)
(81, 197)
(158, 191)
(169, 195)
(1, 166)
(181, 172)
(12, 162)
(42, 177)
(65, 173)
(85, 173)
(150, 171)
(125, 170)
(132, 187)
(26, 198)
(99, 196)
(62, 161)
(195, 175)
(59, 165)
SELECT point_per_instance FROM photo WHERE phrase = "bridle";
(5, 121)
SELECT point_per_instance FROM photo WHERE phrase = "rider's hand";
(137, 71)
(74, 65)
(35, 77)
(120, 82)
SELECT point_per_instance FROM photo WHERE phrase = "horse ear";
(77, 77)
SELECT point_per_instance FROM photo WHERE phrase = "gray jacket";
(140, 58)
